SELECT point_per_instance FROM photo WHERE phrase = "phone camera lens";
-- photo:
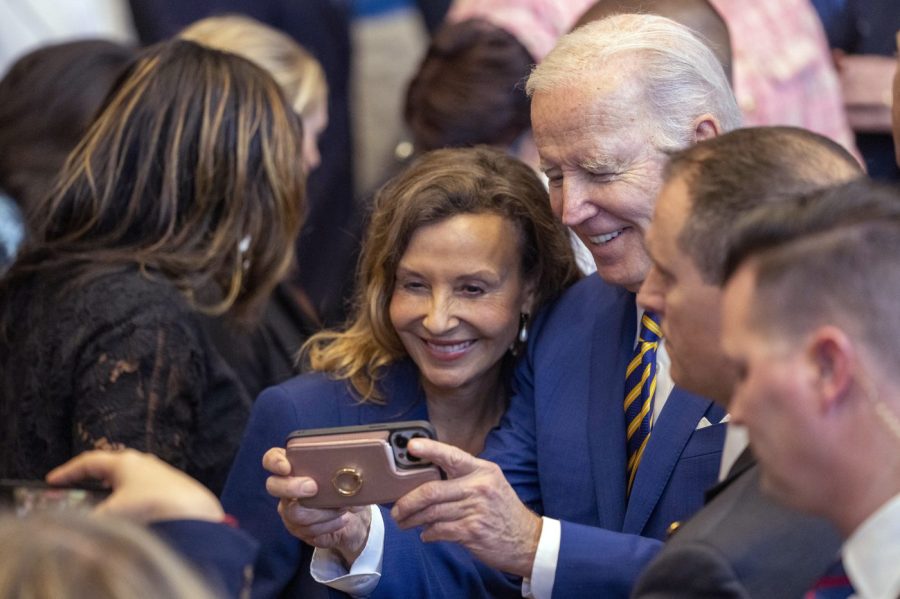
(400, 441)
(413, 458)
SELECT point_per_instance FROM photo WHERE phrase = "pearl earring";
(523, 327)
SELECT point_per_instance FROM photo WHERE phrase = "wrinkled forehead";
(614, 101)
(590, 129)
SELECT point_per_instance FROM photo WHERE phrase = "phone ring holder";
(347, 481)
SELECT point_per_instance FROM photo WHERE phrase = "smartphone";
(360, 465)
(24, 497)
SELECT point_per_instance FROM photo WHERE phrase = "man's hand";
(144, 488)
(476, 507)
(344, 531)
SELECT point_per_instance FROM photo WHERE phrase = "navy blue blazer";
(561, 445)
(221, 554)
(314, 401)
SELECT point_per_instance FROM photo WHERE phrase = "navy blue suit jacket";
(562, 446)
(315, 401)
(221, 554)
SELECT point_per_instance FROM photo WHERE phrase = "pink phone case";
(353, 467)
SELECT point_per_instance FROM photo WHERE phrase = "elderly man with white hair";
(598, 452)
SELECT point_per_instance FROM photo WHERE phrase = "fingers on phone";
(276, 462)
(453, 460)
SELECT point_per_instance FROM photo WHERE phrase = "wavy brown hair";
(191, 172)
(437, 186)
(469, 88)
(48, 99)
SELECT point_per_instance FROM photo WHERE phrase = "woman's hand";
(342, 530)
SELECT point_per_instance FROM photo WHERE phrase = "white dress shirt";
(872, 554)
(736, 441)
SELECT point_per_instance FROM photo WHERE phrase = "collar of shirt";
(872, 553)
(736, 441)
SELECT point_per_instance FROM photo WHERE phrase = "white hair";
(680, 75)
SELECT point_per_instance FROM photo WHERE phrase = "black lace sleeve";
(149, 379)
(138, 385)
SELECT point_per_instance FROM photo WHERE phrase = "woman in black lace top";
(183, 199)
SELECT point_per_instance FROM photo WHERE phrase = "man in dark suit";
(741, 544)
(810, 315)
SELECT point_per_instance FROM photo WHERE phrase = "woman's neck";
(464, 417)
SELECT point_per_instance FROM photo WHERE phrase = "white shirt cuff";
(543, 573)
(328, 568)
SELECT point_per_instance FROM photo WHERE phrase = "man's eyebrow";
(601, 163)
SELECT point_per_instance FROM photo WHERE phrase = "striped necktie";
(640, 386)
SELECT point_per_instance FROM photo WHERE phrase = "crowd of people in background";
(637, 272)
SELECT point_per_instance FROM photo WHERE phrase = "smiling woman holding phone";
(462, 249)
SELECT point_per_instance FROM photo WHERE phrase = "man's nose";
(650, 296)
(576, 206)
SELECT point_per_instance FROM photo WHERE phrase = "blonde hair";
(72, 555)
(299, 74)
(437, 186)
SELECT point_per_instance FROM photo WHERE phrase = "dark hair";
(807, 214)
(731, 174)
(191, 172)
(827, 256)
(48, 99)
(437, 186)
(468, 89)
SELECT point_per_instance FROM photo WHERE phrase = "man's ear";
(706, 126)
(834, 361)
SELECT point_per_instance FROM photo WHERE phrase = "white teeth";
(449, 349)
(606, 237)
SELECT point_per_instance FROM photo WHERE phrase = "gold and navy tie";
(640, 386)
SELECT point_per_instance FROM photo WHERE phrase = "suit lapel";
(744, 462)
(673, 430)
(613, 343)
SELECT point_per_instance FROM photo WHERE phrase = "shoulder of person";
(129, 289)
(587, 301)
(326, 400)
(308, 393)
